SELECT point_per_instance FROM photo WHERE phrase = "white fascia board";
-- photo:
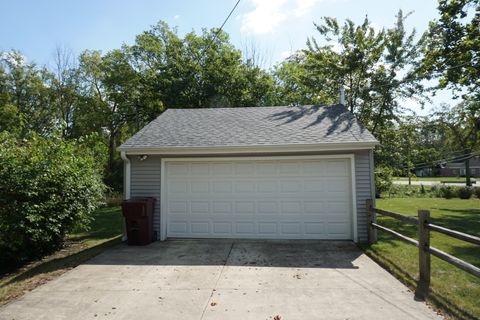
(250, 149)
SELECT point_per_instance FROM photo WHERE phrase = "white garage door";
(274, 199)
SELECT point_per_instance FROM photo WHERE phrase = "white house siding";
(145, 181)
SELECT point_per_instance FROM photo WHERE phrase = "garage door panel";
(178, 170)
(244, 207)
(200, 207)
(291, 207)
(285, 199)
(244, 168)
(222, 207)
(290, 228)
(245, 227)
(178, 207)
(267, 207)
(200, 227)
(267, 186)
(288, 186)
(268, 228)
(222, 169)
(222, 228)
(222, 186)
(245, 186)
(314, 228)
(178, 187)
(314, 207)
(177, 227)
(316, 185)
(289, 168)
(199, 169)
(266, 168)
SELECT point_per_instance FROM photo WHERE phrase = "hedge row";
(435, 191)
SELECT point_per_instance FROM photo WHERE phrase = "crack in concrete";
(218, 279)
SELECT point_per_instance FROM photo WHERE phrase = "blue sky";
(275, 27)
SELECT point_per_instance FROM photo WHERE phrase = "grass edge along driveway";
(105, 231)
(452, 290)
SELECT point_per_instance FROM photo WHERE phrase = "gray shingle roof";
(254, 126)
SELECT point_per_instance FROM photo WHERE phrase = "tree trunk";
(467, 173)
(111, 151)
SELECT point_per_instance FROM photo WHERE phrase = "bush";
(465, 192)
(413, 191)
(383, 180)
(447, 192)
(477, 192)
(48, 187)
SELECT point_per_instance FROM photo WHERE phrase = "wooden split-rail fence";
(425, 250)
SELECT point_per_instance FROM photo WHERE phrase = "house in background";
(301, 172)
(457, 169)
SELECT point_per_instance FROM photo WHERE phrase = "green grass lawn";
(451, 288)
(449, 179)
(105, 231)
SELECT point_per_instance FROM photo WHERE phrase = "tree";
(26, 96)
(452, 53)
(377, 69)
(65, 83)
(196, 71)
(111, 91)
(462, 123)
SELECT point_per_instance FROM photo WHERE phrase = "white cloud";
(267, 15)
(304, 6)
(176, 17)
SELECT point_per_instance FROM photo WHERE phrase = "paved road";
(428, 183)
(224, 279)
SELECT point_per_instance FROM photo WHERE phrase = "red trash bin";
(138, 213)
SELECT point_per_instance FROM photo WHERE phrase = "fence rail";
(423, 243)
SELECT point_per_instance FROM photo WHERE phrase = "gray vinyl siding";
(363, 182)
(145, 181)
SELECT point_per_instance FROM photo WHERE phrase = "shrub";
(477, 192)
(447, 192)
(48, 187)
(465, 192)
(383, 180)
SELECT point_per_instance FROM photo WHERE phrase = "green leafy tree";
(462, 123)
(452, 54)
(111, 91)
(26, 96)
(196, 71)
(377, 69)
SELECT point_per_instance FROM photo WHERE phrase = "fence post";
(372, 232)
(423, 254)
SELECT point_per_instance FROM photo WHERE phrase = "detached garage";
(259, 173)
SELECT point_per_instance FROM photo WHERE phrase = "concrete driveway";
(224, 279)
